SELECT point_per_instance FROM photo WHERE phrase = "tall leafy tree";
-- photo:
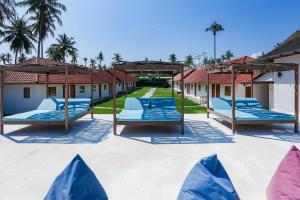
(100, 58)
(189, 61)
(3, 58)
(7, 10)
(54, 53)
(74, 55)
(92, 62)
(65, 45)
(8, 58)
(117, 58)
(173, 58)
(45, 14)
(215, 28)
(85, 61)
(228, 55)
(205, 61)
(19, 36)
(22, 58)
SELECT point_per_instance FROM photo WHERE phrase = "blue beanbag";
(208, 180)
(76, 182)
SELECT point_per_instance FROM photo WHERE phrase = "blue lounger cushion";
(149, 109)
(44, 115)
(243, 103)
(257, 114)
(164, 103)
(52, 109)
(149, 115)
(76, 182)
(247, 109)
(137, 103)
(208, 180)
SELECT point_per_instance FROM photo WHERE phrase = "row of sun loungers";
(208, 179)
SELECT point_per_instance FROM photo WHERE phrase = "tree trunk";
(42, 48)
(16, 57)
(215, 54)
(39, 47)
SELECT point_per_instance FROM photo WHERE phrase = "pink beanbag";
(285, 183)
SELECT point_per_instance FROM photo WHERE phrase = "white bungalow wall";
(260, 91)
(14, 101)
(283, 90)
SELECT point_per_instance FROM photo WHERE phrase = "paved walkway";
(149, 93)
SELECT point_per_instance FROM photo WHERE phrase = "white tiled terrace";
(141, 162)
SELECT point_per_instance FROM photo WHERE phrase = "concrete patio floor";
(142, 162)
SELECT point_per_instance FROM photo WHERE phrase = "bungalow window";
(51, 91)
(105, 87)
(192, 87)
(206, 88)
(199, 87)
(81, 89)
(227, 90)
(26, 92)
(94, 88)
(184, 85)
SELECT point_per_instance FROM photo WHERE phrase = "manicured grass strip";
(190, 106)
(106, 107)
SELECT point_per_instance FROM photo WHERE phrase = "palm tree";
(22, 58)
(205, 61)
(117, 58)
(189, 61)
(85, 61)
(214, 28)
(19, 36)
(146, 59)
(172, 58)
(3, 58)
(228, 55)
(65, 45)
(92, 62)
(100, 58)
(54, 53)
(7, 10)
(74, 55)
(44, 14)
(8, 58)
(223, 58)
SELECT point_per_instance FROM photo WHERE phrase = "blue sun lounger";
(52, 112)
(149, 111)
(247, 111)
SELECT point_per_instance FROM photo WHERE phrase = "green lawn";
(106, 107)
(190, 107)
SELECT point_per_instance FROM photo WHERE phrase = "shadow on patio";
(196, 132)
(282, 132)
(81, 132)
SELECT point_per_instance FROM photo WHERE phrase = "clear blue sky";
(156, 28)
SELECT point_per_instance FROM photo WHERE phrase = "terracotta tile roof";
(200, 77)
(242, 59)
(177, 78)
(19, 78)
(121, 76)
(42, 61)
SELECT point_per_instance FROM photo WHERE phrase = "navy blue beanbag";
(208, 180)
(76, 182)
